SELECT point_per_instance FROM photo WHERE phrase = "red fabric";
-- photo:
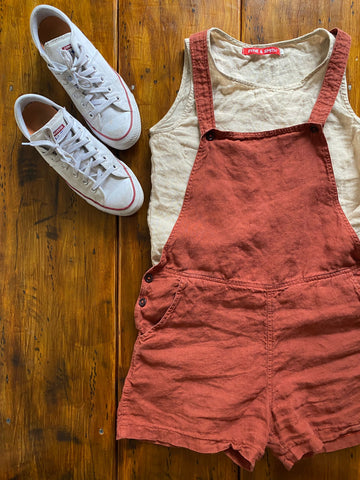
(249, 327)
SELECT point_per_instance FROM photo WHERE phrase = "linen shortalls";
(249, 326)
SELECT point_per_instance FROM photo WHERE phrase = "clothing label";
(57, 132)
(262, 51)
(68, 48)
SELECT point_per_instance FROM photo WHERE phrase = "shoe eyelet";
(93, 190)
(91, 115)
(102, 79)
(109, 89)
(117, 98)
(75, 174)
(83, 104)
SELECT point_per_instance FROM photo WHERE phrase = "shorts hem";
(345, 440)
(243, 455)
(298, 451)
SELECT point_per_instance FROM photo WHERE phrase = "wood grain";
(70, 274)
(58, 267)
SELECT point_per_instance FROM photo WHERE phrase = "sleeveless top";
(251, 93)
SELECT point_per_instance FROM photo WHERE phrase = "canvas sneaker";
(98, 92)
(86, 164)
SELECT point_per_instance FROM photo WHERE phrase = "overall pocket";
(158, 298)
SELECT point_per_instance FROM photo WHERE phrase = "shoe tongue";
(56, 125)
(54, 47)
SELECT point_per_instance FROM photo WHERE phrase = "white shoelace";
(82, 74)
(75, 150)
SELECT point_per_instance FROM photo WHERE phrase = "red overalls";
(249, 327)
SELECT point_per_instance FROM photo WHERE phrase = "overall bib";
(249, 327)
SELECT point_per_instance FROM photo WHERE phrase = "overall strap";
(202, 81)
(333, 77)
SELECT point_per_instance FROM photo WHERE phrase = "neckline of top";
(280, 44)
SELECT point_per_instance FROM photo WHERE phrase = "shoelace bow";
(71, 150)
(83, 75)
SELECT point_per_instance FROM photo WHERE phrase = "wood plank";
(58, 259)
(266, 22)
(58, 271)
(151, 58)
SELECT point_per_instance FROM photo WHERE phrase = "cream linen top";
(251, 93)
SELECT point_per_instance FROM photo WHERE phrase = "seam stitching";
(269, 352)
(231, 442)
(259, 286)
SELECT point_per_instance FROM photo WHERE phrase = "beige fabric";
(251, 93)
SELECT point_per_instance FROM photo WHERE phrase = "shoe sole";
(133, 207)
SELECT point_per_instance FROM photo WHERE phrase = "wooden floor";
(70, 274)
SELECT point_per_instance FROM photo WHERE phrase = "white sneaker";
(86, 164)
(98, 92)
